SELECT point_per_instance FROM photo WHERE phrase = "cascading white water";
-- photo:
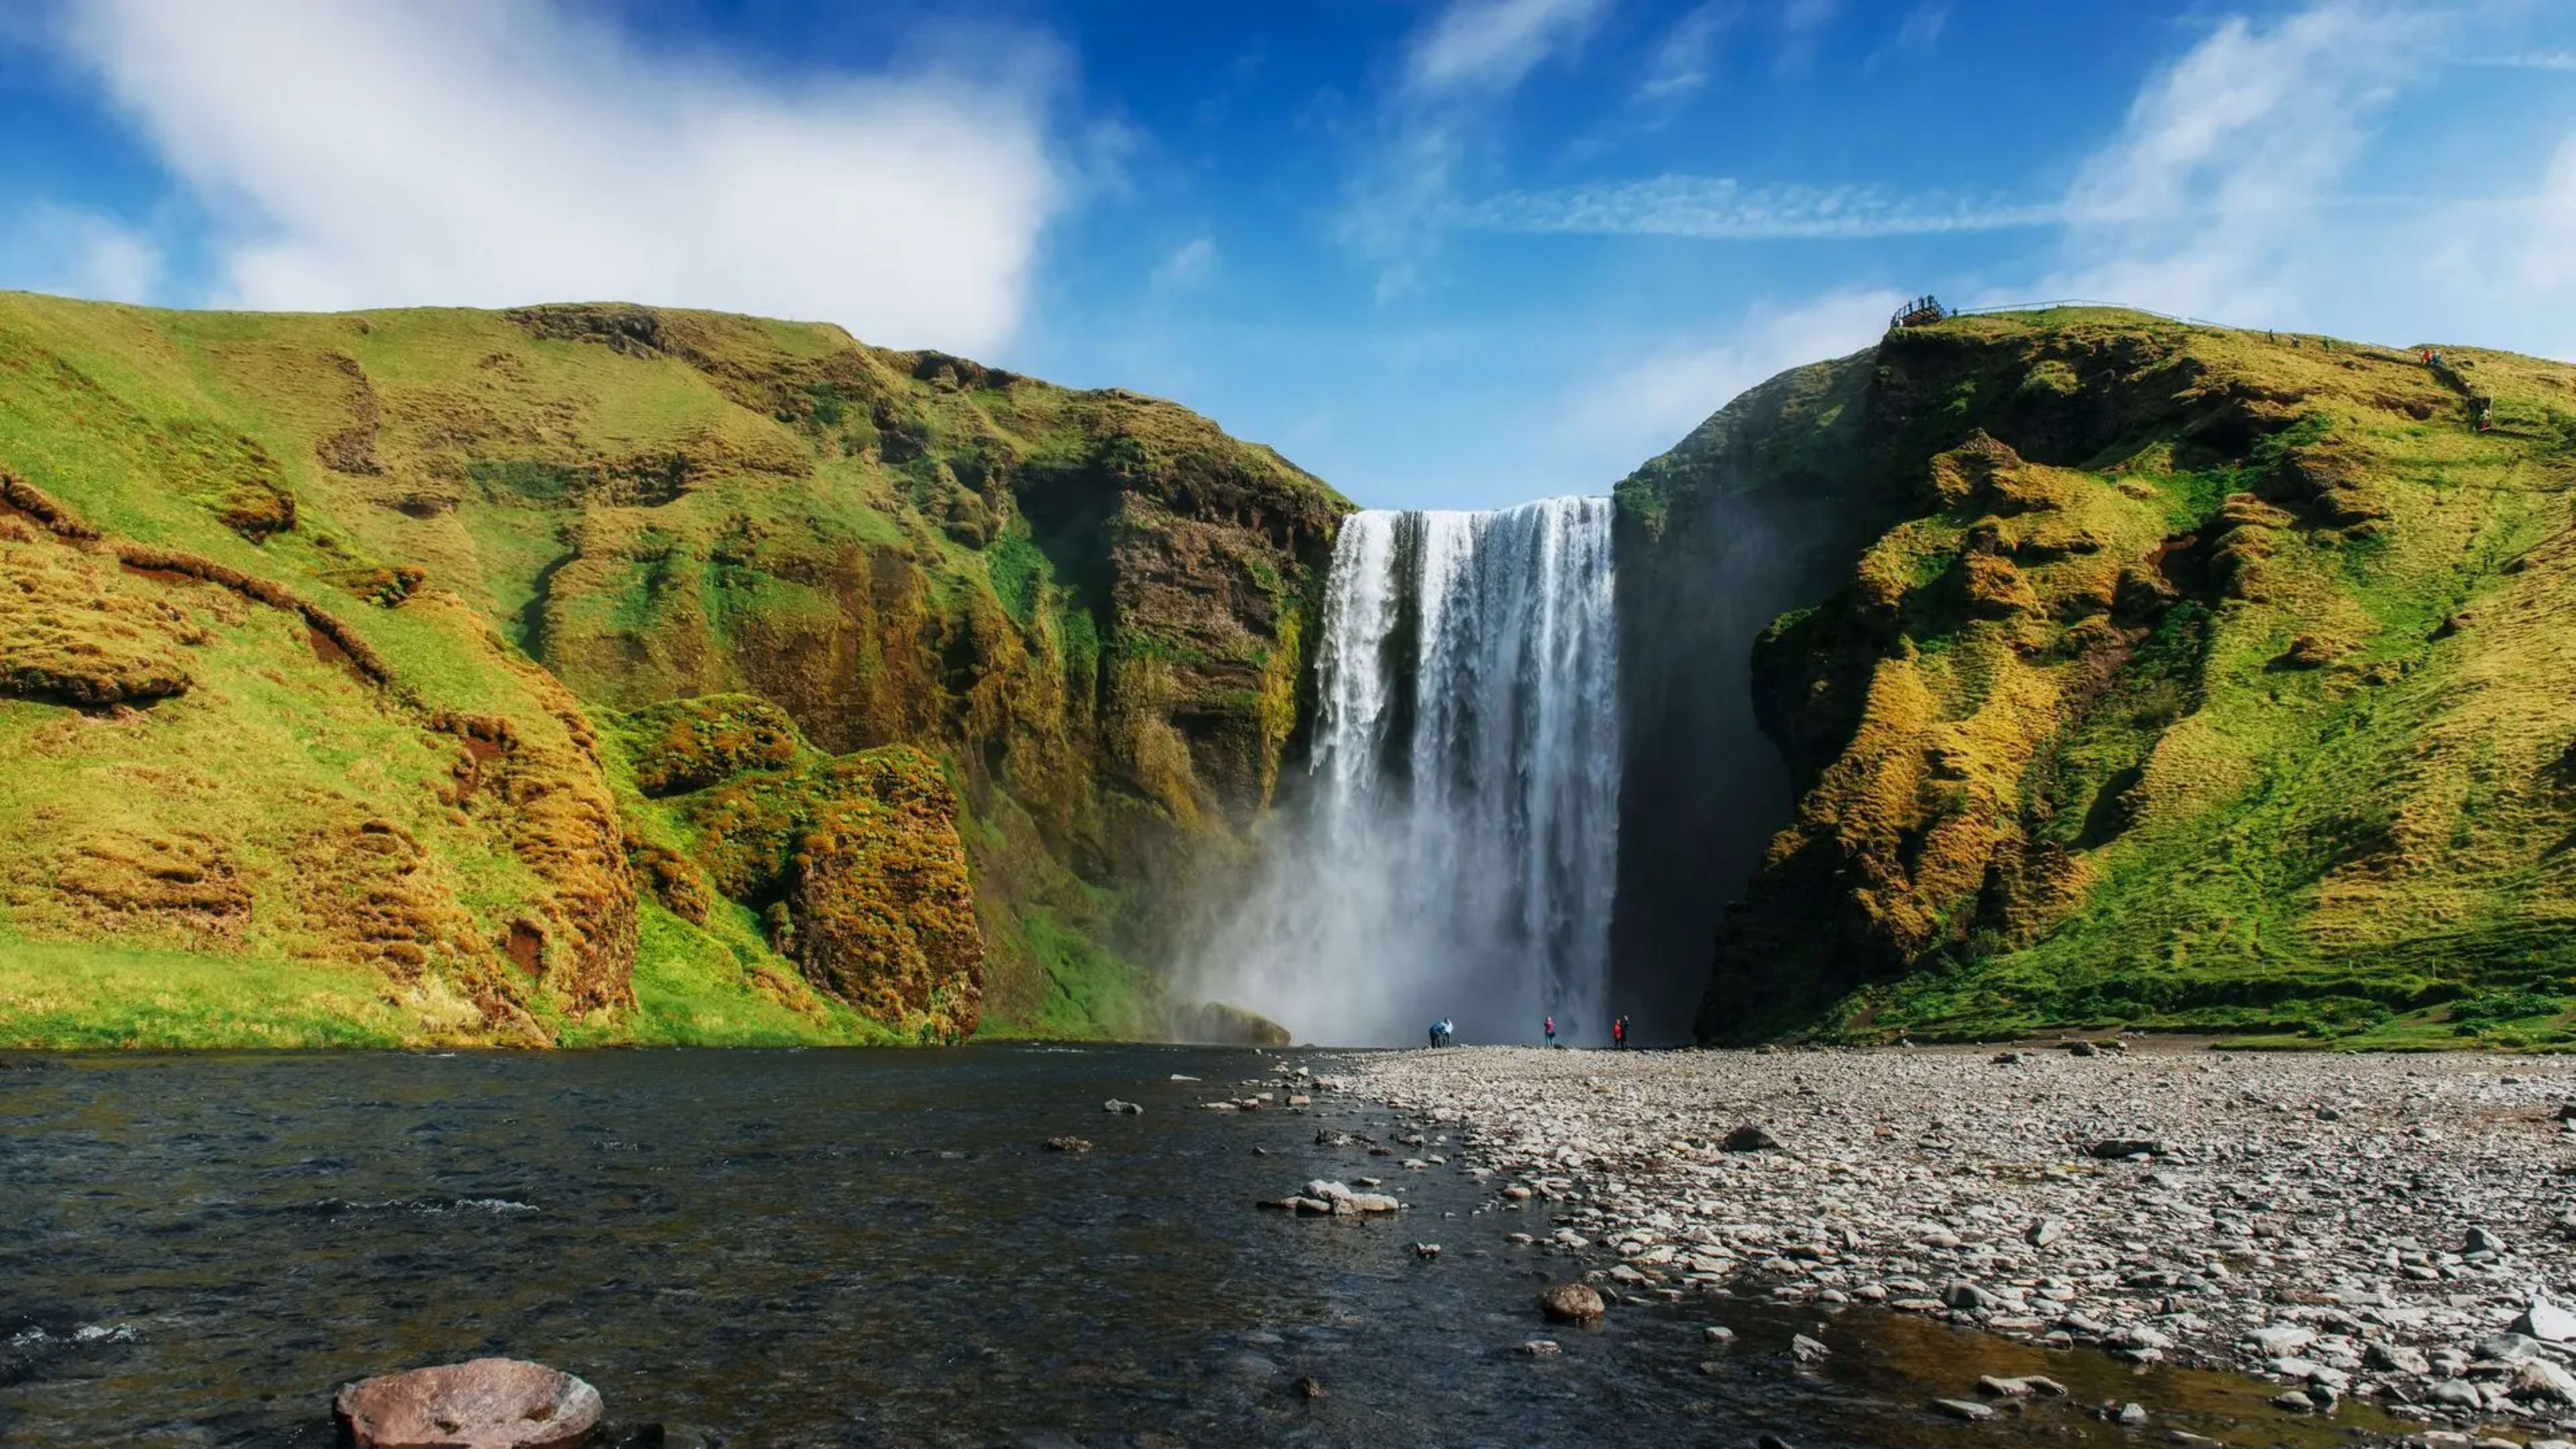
(1457, 853)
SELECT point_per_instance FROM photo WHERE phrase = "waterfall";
(1455, 853)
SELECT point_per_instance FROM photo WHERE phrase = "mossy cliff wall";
(359, 645)
(2177, 676)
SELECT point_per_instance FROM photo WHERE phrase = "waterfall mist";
(1455, 849)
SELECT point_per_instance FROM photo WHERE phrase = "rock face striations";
(596, 672)
(2122, 670)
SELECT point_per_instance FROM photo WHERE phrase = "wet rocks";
(1324, 1198)
(1967, 1409)
(487, 1403)
(1808, 1350)
(1068, 1144)
(1571, 1303)
(2165, 1203)
(1117, 1108)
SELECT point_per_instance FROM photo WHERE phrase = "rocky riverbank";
(2384, 1228)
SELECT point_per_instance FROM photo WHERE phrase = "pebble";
(2165, 1202)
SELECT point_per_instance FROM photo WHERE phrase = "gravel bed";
(2373, 1227)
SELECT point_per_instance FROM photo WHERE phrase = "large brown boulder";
(487, 1403)
(1571, 1303)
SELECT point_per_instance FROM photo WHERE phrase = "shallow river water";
(865, 1248)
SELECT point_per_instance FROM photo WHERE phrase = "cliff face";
(602, 671)
(2181, 677)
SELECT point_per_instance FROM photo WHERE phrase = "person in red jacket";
(1618, 1032)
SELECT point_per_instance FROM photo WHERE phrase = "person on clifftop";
(1618, 1032)
(1551, 1029)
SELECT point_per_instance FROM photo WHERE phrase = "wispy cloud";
(1191, 264)
(1721, 208)
(1458, 71)
(1802, 29)
(50, 248)
(1918, 32)
(498, 151)
(1680, 64)
(2532, 60)
(2229, 191)
(1489, 45)
(1646, 406)
(2212, 199)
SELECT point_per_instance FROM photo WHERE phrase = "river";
(864, 1248)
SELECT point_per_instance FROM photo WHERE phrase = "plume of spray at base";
(1454, 851)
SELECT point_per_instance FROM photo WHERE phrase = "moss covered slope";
(2184, 678)
(340, 652)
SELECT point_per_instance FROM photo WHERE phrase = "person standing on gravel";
(1551, 1029)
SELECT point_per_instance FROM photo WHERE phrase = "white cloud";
(1918, 32)
(1681, 61)
(1802, 29)
(1190, 264)
(2529, 60)
(1458, 70)
(2237, 189)
(2211, 199)
(1721, 208)
(507, 151)
(50, 248)
(1647, 406)
(1489, 45)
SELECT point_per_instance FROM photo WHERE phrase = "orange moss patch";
(69, 634)
(181, 886)
(883, 907)
(690, 744)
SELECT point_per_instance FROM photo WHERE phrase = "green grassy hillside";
(2182, 678)
(343, 660)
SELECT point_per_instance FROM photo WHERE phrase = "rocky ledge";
(2395, 1229)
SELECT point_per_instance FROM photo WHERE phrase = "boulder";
(1571, 1303)
(487, 1403)
(1749, 1138)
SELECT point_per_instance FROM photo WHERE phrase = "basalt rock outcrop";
(607, 672)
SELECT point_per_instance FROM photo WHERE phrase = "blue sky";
(1446, 253)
